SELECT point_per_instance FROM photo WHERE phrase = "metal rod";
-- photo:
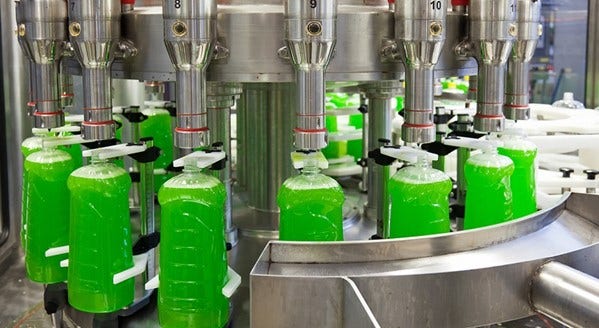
(566, 295)
(147, 210)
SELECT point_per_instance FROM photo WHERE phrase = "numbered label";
(436, 5)
(313, 4)
(178, 4)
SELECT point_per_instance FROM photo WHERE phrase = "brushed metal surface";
(468, 278)
(254, 34)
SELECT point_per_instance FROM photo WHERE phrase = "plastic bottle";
(46, 209)
(568, 102)
(311, 207)
(28, 147)
(193, 259)
(419, 201)
(489, 194)
(100, 238)
(158, 126)
(522, 153)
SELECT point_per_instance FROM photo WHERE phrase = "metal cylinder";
(95, 30)
(380, 119)
(189, 35)
(492, 32)
(221, 97)
(310, 39)
(266, 142)
(42, 31)
(420, 33)
(566, 295)
(528, 19)
(473, 87)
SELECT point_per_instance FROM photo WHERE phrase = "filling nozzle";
(420, 34)
(190, 38)
(492, 31)
(528, 19)
(310, 38)
(95, 30)
(42, 33)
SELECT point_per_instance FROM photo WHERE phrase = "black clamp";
(171, 107)
(591, 174)
(149, 155)
(146, 243)
(442, 118)
(133, 115)
(379, 157)
(100, 143)
(438, 148)
(465, 134)
(566, 172)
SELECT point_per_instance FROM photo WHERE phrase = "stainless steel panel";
(468, 278)
(254, 34)
(592, 65)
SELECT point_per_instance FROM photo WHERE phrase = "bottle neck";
(191, 169)
(96, 160)
(310, 170)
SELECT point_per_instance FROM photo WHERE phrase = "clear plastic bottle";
(193, 255)
(100, 238)
(311, 207)
(568, 102)
(418, 201)
(158, 126)
(489, 194)
(46, 209)
(523, 154)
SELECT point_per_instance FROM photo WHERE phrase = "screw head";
(436, 29)
(314, 28)
(21, 30)
(512, 30)
(179, 29)
(75, 29)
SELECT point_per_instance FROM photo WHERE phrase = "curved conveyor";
(462, 279)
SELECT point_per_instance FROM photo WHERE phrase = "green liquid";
(523, 180)
(28, 147)
(335, 149)
(158, 126)
(489, 195)
(75, 152)
(100, 238)
(419, 202)
(193, 259)
(311, 207)
(46, 209)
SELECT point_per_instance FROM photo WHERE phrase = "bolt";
(21, 30)
(314, 28)
(179, 29)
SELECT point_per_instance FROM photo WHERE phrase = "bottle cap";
(114, 151)
(409, 154)
(301, 159)
(200, 159)
(568, 96)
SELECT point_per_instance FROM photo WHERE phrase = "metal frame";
(592, 73)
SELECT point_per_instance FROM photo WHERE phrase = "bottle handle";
(233, 282)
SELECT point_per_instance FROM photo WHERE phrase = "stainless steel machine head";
(42, 32)
(310, 37)
(95, 31)
(420, 34)
(190, 36)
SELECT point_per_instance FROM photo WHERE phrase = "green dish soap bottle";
(489, 197)
(418, 197)
(100, 237)
(523, 153)
(158, 126)
(311, 204)
(46, 213)
(193, 256)
(28, 147)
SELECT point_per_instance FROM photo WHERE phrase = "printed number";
(313, 3)
(436, 5)
(177, 4)
(513, 6)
